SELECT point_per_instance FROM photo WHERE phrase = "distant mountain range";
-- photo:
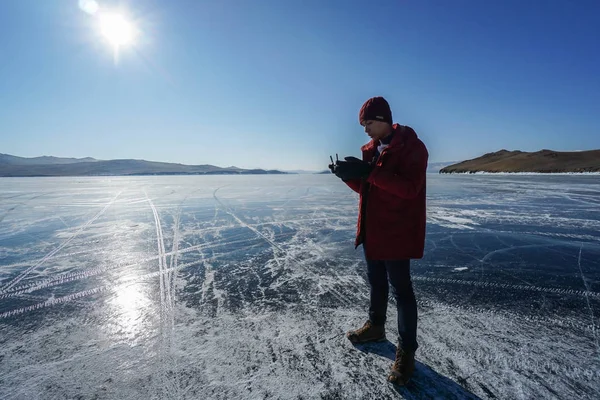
(44, 160)
(56, 166)
(543, 161)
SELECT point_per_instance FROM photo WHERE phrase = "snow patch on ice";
(450, 218)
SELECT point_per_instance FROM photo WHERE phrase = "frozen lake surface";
(227, 287)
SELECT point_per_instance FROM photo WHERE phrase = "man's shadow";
(425, 383)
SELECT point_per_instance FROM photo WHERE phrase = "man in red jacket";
(390, 179)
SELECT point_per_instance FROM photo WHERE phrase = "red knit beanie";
(376, 109)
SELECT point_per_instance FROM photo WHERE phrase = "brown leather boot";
(403, 368)
(368, 333)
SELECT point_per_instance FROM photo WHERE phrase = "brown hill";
(544, 161)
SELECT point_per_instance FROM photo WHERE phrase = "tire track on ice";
(168, 387)
(571, 323)
(170, 282)
(59, 248)
(209, 273)
(73, 276)
(87, 251)
(100, 289)
(587, 300)
(174, 255)
(530, 288)
(161, 255)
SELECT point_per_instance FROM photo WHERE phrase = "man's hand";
(352, 168)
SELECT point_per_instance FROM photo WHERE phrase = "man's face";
(376, 129)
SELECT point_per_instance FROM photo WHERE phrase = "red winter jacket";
(391, 219)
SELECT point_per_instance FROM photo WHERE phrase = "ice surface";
(243, 286)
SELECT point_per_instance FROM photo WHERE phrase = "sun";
(112, 26)
(117, 30)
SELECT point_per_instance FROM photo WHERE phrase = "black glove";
(352, 168)
(332, 165)
(354, 159)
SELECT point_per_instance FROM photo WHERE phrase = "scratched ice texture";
(227, 287)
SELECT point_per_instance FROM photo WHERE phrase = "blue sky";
(278, 84)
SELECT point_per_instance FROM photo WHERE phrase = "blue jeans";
(381, 274)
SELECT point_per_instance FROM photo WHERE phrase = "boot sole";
(398, 381)
(379, 340)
